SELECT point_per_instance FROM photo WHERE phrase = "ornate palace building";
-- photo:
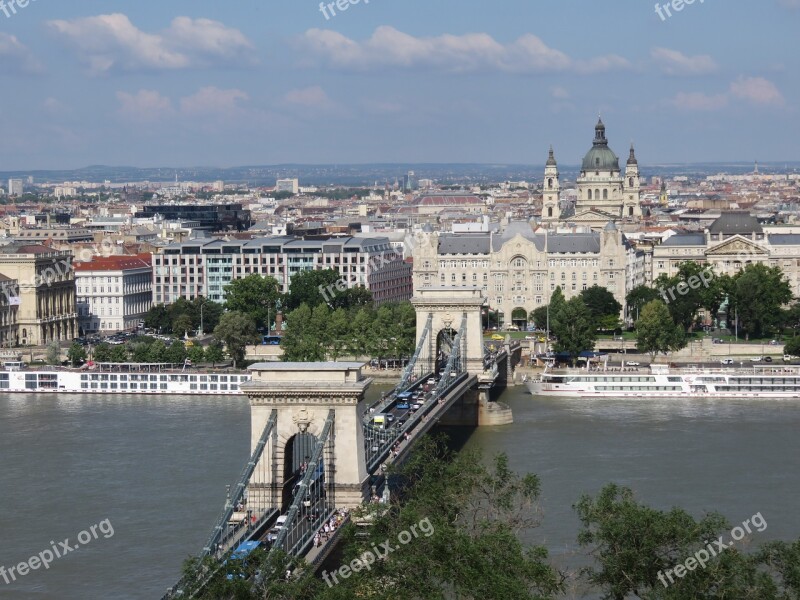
(729, 244)
(45, 292)
(518, 269)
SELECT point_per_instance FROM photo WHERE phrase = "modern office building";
(211, 217)
(287, 185)
(15, 187)
(114, 292)
(203, 268)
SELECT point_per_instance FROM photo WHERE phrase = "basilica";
(605, 193)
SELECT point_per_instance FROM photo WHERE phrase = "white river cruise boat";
(663, 381)
(121, 379)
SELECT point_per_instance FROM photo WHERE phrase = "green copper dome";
(600, 157)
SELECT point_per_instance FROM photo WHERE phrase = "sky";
(253, 82)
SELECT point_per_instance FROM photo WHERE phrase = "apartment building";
(203, 268)
(114, 292)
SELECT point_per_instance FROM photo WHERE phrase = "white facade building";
(114, 293)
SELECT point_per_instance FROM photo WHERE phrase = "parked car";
(757, 358)
(497, 337)
(767, 359)
(632, 363)
(726, 361)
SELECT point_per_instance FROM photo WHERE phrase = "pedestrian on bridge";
(316, 540)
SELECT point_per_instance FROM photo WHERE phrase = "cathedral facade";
(605, 192)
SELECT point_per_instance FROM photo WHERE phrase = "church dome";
(600, 157)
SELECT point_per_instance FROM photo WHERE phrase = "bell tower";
(631, 191)
(551, 200)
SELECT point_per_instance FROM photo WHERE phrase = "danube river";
(150, 474)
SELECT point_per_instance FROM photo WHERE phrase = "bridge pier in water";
(445, 308)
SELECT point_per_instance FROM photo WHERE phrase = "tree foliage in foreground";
(656, 333)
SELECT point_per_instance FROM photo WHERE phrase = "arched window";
(630, 182)
(590, 194)
(630, 211)
(597, 194)
(605, 194)
(550, 182)
(597, 162)
(549, 211)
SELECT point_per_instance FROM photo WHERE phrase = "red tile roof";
(114, 263)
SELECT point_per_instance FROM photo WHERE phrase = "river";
(149, 473)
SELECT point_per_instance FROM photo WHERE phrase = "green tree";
(254, 296)
(315, 287)
(182, 325)
(760, 293)
(362, 336)
(119, 354)
(158, 319)
(637, 548)
(76, 355)
(102, 353)
(53, 353)
(574, 328)
(602, 305)
(196, 354)
(300, 342)
(236, 330)
(140, 352)
(214, 353)
(339, 332)
(156, 352)
(176, 353)
(354, 297)
(656, 332)
(638, 297)
(548, 314)
(792, 346)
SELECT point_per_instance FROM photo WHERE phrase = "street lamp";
(202, 306)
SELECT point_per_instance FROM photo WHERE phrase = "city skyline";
(207, 84)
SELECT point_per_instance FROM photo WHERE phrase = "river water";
(153, 471)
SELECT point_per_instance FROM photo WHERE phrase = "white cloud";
(559, 93)
(111, 42)
(145, 105)
(16, 57)
(673, 62)
(757, 90)
(212, 100)
(310, 97)
(754, 90)
(388, 47)
(697, 101)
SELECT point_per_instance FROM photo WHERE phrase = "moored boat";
(663, 381)
(123, 379)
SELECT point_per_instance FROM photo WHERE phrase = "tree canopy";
(759, 295)
(255, 296)
(656, 332)
(574, 328)
(236, 330)
(603, 306)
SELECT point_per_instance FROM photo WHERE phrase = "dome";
(600, 157)
(427, 228)
(610, 226)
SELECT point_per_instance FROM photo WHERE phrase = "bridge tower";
(307, 399)
(448, 306)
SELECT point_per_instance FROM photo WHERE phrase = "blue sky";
(212, 83)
